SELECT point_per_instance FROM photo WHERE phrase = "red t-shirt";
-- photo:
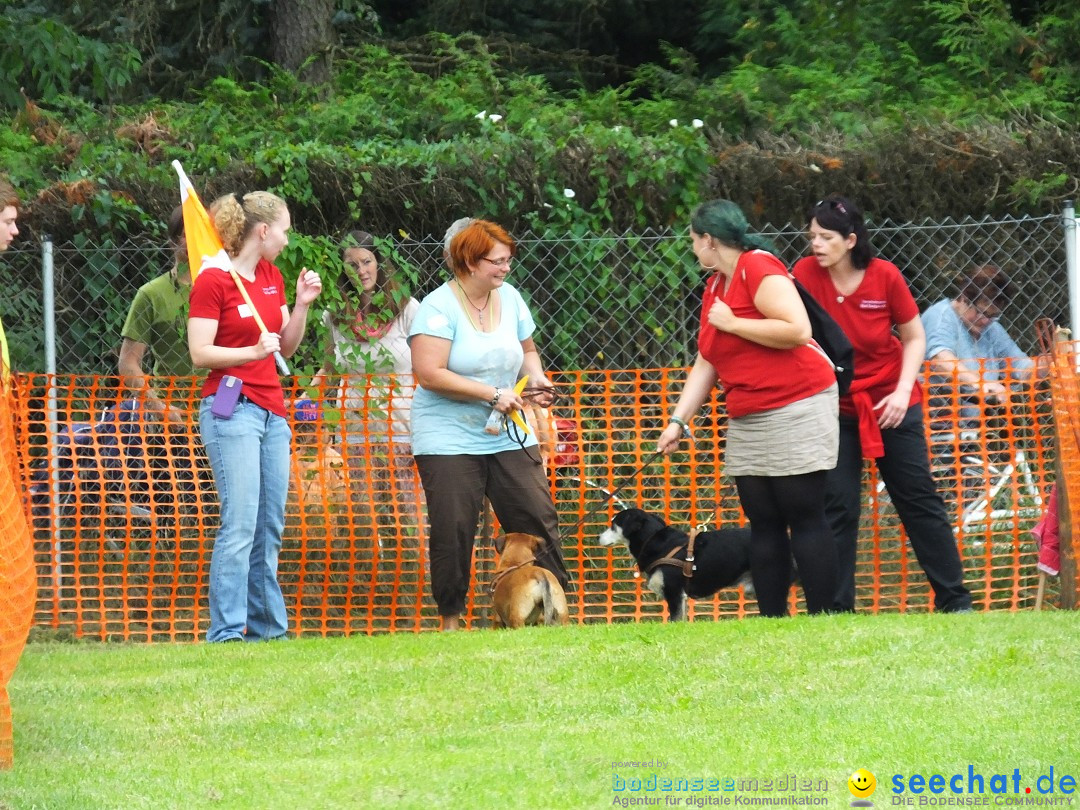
(757, 378)
(867, 316)
(214, 296)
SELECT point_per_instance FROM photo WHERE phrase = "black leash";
(546, 398)
(609, 495)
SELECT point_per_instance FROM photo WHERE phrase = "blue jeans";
(249, 454)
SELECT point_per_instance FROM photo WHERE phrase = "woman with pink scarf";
(369, 330)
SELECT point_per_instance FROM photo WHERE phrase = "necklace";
(479, 310)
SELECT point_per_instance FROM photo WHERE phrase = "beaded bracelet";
(676, 420)
(495, 399)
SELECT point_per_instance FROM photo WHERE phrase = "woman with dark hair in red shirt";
(881, 416)
(781, 397)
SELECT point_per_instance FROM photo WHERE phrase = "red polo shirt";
(757, 378)
(867, 316)
(214, 296)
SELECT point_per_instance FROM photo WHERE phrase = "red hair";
(474, 243)
(8, 195)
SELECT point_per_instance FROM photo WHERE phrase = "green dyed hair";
(725, 221)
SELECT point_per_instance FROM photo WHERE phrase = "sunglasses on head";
(834, 204)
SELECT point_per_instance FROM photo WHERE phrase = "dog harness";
(686, 565)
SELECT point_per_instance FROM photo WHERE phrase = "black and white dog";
(721, 557)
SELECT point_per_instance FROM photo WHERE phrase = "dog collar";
(506, 571)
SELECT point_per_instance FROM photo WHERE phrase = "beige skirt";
(798, 438)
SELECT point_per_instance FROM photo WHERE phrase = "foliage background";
(919, 107)
(558, 117)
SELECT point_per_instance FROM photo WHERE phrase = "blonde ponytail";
(235, 216)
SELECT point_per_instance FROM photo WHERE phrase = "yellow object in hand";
(516, 415)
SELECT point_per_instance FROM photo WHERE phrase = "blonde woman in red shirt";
(881, 415)
(781, 398)
(242, 418)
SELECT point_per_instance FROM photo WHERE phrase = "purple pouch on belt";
(228, 394)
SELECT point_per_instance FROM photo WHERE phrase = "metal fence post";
(48, 306)
(1072, 259)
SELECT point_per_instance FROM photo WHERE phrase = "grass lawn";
(537, 718)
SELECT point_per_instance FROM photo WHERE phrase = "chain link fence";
(618, 319)
(601, 302)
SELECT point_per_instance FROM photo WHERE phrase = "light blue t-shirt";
(945, 331)
(449, 427)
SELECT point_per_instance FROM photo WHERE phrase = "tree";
(303, 34)
(47, 58)
(96, 50)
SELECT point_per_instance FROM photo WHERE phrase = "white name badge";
(244, 311)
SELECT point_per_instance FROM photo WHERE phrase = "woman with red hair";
(471, 339)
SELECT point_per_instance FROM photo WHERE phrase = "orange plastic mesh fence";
(123, 512)
(17, 576)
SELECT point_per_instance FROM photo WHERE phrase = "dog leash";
(544, 397)
(609, 495)
(549, 397)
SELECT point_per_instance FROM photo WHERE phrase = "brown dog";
(523, 592)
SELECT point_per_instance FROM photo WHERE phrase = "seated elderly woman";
(974, 365)
(968, 347)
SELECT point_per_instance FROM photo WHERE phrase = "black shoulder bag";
(830, 337)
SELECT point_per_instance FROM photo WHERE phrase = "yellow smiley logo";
(861, 783)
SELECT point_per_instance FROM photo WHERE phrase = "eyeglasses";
(988, 312)
(503, 262)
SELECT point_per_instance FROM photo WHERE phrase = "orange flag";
(203, 243)
(205, 249)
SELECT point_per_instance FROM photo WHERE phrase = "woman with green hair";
(781, 397)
